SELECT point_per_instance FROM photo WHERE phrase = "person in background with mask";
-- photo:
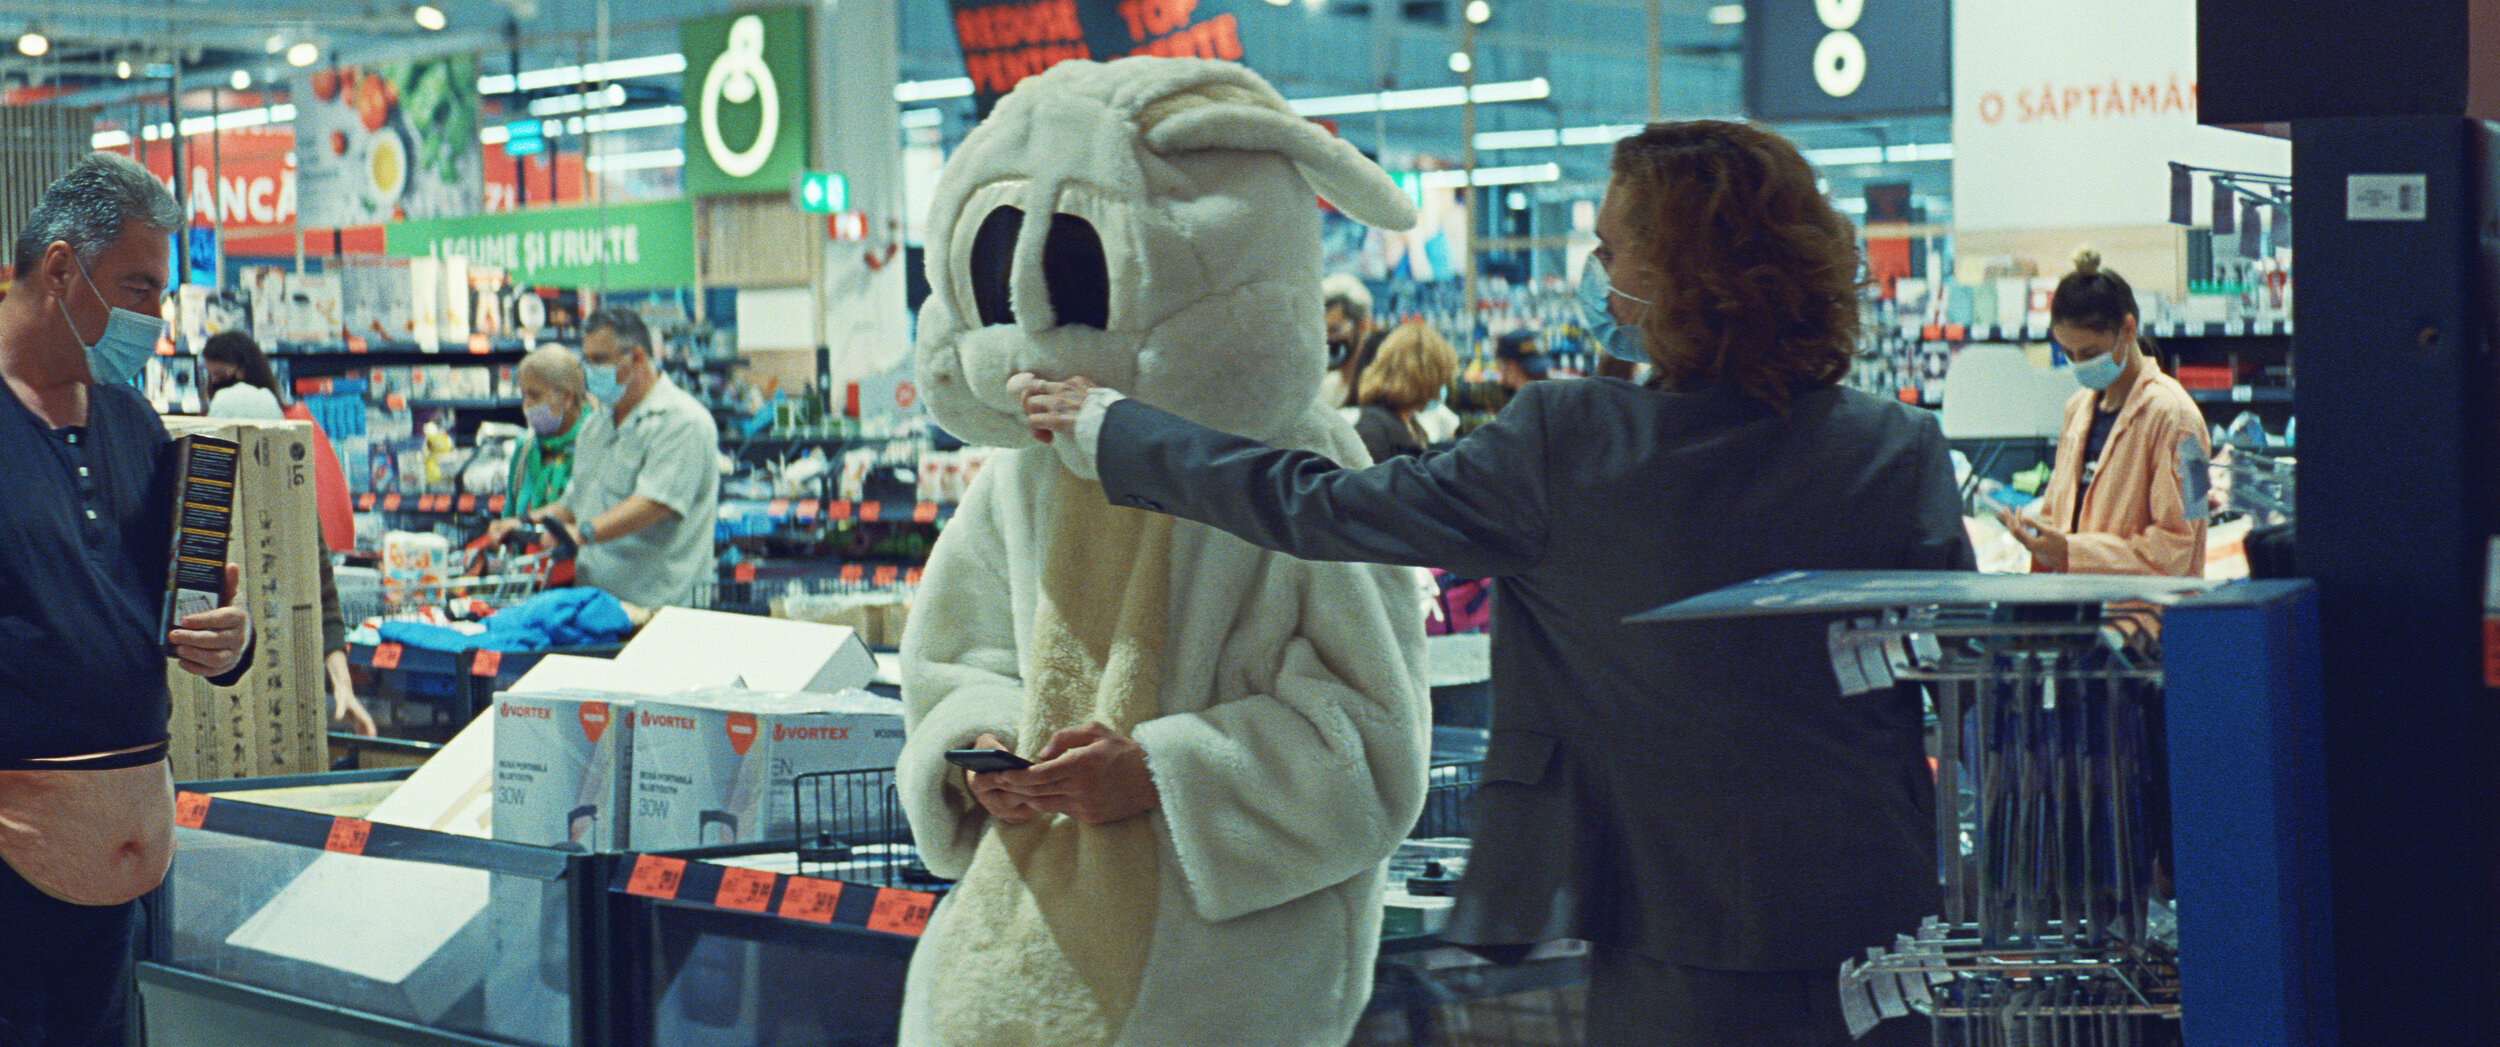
(1697, 801)
(556, 403)
(2115, 503)
(86, 796)
(241, 384)
(1347, 307)
(645, 491)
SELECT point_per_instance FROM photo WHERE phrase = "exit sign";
(820, 192)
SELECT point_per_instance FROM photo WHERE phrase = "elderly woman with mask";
(553, 398)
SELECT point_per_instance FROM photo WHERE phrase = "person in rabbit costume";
(1228, 742)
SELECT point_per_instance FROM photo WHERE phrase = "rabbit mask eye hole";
(992, 263)
(1078, 274)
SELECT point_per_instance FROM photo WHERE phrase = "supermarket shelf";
(2242, 394)
(2040, 332)
(465, 405)
(895, 911)
(810, 510)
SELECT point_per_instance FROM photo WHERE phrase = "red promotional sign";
(1005, 41)
(594, 717)
(741, 727)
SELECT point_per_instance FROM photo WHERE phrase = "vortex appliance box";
(715, 767)
(561, 768)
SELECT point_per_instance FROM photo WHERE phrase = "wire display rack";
(2057, 925)
(851, 828)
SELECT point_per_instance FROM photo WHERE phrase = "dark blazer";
(1698, 794)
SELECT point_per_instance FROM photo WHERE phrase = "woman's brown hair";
(1758, 273)
(1415, 362)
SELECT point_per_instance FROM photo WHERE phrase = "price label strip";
(190, 809)
(810, 899)
(748, 889)
(656, 877)
(348, 835)
(901, 912)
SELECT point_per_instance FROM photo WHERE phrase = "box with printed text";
(562, 762)
(715, 767)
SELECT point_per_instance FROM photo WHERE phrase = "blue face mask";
(1598, 316)
(2098, 372)
(128, 340)
(602, 381)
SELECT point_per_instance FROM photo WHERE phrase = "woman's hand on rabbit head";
(1050, 408)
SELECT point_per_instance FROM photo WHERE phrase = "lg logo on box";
(1840, 60)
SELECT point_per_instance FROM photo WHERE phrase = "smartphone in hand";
(982, 761)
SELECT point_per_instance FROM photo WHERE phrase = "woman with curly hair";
(1697, 801)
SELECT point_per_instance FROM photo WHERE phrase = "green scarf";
(542, 467)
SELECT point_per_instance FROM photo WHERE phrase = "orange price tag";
(911, 577)
(870, 511)
(494, 504)
(479, 344)
(901, 912)
(778, 508)
(356, 343)
(810, 899)
(744, 572)
(810, 509)
(366, 502)
(468, 503)
(390, 502)
(925, 512)
(487, 663)
(837, 510)
(190, 809)
(851, 572)
(656, 877)
(885, 576)
(348, 835)
(395, 402)
(748, 889)
(386, 656)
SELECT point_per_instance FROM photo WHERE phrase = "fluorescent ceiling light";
(1422, 98)
(573, 103)
(568, 75)
(631, 119)
(33, 44)
(1727, 14)
(241, 79)
(1520, 175)
(429, 17)
(302, 55)
(932, 90)
(642, 161)
(923, 118)
(1870, 154)
(199, 125)
(1601, 134)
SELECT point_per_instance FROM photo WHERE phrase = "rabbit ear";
(1338, 172)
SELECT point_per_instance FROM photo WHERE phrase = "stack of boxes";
(275, 720)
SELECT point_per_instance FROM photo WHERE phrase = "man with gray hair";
(86, 799)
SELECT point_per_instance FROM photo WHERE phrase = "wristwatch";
(586, 532)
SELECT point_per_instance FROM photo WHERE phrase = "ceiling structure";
(1595, 57)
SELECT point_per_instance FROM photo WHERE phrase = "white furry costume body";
(1279, 703)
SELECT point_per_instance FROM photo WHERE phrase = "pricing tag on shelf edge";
(811, 899)
(901, 912)
(744, 888)
(386, 656)
(655, 876)
(348, 835)
(190, 809)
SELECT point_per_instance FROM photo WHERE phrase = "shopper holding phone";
(2116, 503)
(1697, 801)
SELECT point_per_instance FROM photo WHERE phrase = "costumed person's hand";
(2046, 542)
(1092, 773)
(991, 790)
(1050, 408)
(209, 643)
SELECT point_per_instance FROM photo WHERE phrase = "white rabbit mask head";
(1146, 223)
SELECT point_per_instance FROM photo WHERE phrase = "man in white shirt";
(646, 486)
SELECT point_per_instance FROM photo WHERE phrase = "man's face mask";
(122, 349)
(1598, 316)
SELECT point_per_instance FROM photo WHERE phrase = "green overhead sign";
(618, 247)
(747, 101)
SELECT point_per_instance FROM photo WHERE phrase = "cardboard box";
(562, 765)
(275, 719)
(768, 654)
(715, 767)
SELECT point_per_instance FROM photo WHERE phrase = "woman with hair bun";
(2116, 503)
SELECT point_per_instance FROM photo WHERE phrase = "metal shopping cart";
(432, 694)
